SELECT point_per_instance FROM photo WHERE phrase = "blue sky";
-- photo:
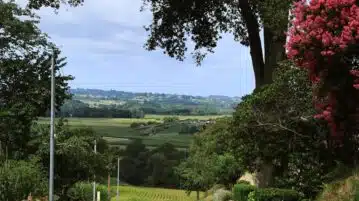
(103, 41)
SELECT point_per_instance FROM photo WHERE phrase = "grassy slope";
(130, 193)
(117, 131)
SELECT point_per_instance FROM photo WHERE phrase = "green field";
(130, 193)
(117, 131)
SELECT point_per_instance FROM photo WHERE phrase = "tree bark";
(274, 52)
(252, 24)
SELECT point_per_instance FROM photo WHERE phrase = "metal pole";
(118, 178)
(52, 148)
(94, 176)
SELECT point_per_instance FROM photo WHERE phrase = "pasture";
(117, 131)
(131, 193)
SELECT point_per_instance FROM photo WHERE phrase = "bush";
(243, 182)
(135, 124)
(241, 191)
(20, 178)
(83, 192)
(222, 195)
(343, 189)
(274, 194)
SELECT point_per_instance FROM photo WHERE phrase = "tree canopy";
(25, 76)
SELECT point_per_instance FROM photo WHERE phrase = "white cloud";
(124, 12)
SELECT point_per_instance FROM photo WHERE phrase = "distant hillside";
(156, 103)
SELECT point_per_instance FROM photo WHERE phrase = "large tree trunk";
(255, 46)
(264, 177)
(274, 52)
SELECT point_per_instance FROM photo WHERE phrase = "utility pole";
(118, 179)
(52, 148)
(94, 176)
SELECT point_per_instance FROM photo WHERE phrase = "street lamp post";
(52, 148)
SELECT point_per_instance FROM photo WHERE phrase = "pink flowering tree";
(324, 39)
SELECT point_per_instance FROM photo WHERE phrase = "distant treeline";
(77, 108)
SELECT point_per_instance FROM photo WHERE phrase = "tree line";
(77, 108)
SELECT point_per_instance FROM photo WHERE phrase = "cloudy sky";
(103, 41)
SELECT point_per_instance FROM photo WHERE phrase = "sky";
(103, 42)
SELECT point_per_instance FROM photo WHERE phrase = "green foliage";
(84, 192)
(274, 194)
(208, 162)
(222, 195)
(346, 189)
(241, 191)
(243, 182)
(74, 156)
(170, 119)
(274, 126)
(25, 75)
(140, 166)
(188, 128)
(20, 178)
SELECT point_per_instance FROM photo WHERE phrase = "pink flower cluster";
(320, 30)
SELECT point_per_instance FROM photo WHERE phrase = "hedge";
(241, 191)
(274, 194)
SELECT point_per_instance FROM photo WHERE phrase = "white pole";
(98, 196)
(52, 148)
(94, 177)
(118, 178)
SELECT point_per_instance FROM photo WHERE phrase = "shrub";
(135, 124)
(343, 189)
(222, 195)
(83, 192)
(274, 194)
(243, 182)
(241, 191)
(20, 178)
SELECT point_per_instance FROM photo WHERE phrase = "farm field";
(117, 131)
(131, 193)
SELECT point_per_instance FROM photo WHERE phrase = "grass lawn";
(117, 131)
(131, 193)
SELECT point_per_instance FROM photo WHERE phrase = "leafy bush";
(342, 189)
(136, 124)
(241, 191)
(170, 119)
(20, 178)
(243, 182)
(83, 192)
(222, 195)
(274, 194)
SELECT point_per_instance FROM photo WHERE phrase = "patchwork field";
(130, 193)
(117, 131)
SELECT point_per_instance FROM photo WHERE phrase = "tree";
(273, 130)
(24, 77)
(133, 163)
(161, 166)
(18, 179)
(75, 159)
(324, 39)
(210, 162)
(203, 21)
